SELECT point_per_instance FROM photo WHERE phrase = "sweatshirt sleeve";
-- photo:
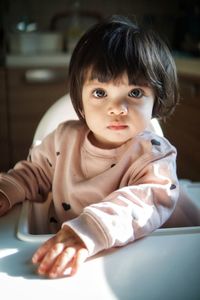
(30, 179)
(133, 211)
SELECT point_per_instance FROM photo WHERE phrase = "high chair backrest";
(62, 110)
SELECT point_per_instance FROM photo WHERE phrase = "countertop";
(42, 60)
(153, 268)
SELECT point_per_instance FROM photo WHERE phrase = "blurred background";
(36, 41)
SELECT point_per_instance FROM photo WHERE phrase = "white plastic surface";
(59, 112)
(156, 267)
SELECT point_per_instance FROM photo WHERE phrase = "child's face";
(116, 111)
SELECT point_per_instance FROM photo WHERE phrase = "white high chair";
(62, 110)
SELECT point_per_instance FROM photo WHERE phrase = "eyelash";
(140, 93)
(101, 91)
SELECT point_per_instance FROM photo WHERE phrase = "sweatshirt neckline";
(96, 151)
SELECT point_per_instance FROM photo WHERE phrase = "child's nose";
(118, 109)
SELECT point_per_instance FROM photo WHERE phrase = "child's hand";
(4, 205)
(61, 255)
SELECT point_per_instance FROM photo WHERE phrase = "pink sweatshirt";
(108, 197)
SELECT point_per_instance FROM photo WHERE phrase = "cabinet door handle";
(45, 75)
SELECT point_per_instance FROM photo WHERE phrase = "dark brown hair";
(117, 45)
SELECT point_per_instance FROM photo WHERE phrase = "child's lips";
(117, 126)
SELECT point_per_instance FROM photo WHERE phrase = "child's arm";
(4, 204)
(30, 179)
(61, 255)
(133, 211)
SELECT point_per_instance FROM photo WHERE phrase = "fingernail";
(34, 259)
(68, 271)
(41, 271)
(52, 275)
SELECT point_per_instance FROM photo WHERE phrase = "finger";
(50, 258)
(62, 262)
(81, 256)
(42, 250)
(60, 237)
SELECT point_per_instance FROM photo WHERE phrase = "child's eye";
(99, 93)
(136, 93)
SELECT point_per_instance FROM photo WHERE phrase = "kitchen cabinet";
(31, 91)
(4, 128)
(183, 128)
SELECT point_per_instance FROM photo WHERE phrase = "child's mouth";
(117, 127)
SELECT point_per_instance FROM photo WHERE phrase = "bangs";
(105, 74)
